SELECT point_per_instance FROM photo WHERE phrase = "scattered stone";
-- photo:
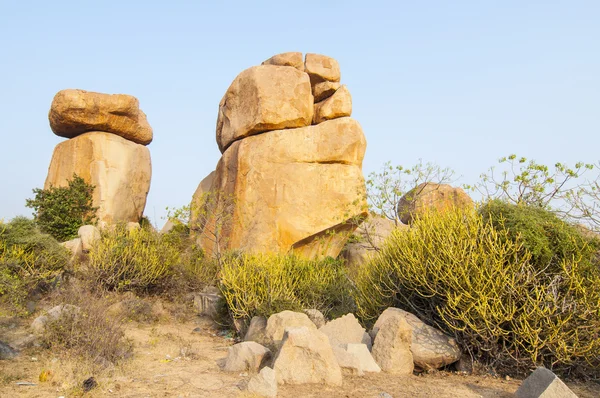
(324, 90)
(197, 330)
(120, 171)
(207, 304)
(431, 348)
(306, 357)
(292, 59)
(542, 383)
(336, 106)
(320, 68)
(278, 323)
(39, 324)
(264, 98)
(89, 235)
(391, 350)
(385, 395)
(246, 356)
(89, 384)
(264, 384)
(257, 330)
(75, 247)
(345, 330)
(361, 351)
(316, 316)
(427, 196)
(348, 362)
(75, 112)
(7, 352)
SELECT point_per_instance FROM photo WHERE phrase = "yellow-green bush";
(477, 282)
(263, 284)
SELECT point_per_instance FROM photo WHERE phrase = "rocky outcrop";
(431, 349)
(336, 106)
(281, 184)
(74, 112)
(430, 196)
(119, 169)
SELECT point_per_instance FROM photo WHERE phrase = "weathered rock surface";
(293, 189)
(391, 350)
(257, 330)
(542, 383)
(348, 362)
(324, 90)
(321, 68)
(119, 169)
(74, 112)
(264, 98)
(293, 59)
(246, 356)
(264, 384)
(306, 357)
(316, 316)
(428, 196)
(361, 351)
(345, 330)
(89, 235)
(199, 199)
(39, 324)
(431, 349)
(278, 323)
(336, 106)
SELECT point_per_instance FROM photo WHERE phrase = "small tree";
(60, 211)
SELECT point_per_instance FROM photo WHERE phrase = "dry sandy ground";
(171, 360)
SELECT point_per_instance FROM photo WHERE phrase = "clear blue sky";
(459, 83)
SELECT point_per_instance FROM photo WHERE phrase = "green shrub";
(60, 211)
(29, 261)
(478, 282)
(264, 284)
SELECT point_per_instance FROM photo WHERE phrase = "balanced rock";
(264, 384)
(246, 356)
(278, 323)
(324, 90)
(391, 350)
(338, 105)
(430, 196)
(295, 189)
(292, 59)
(322, 68)
(74, 112)
(346, 330)
(542, 383)
(431, 349)
(120, 171)
(264, 98)
(306, 357)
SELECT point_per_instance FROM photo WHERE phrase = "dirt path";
(182, 360)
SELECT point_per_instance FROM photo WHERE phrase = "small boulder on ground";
(246, 356)
(542, 383)
(306, 357)
(431, 348)
(316, 316)
(89, 235)
(7, 352)
(391, 350)
(345, 330)
(264, 384)
(39, 324)
(278, 323)
(361, 351)
(75, 247)
(257, 329)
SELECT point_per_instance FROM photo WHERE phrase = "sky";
(456, 83)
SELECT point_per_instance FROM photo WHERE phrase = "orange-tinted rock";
(428, 196)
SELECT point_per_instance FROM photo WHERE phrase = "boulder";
(345, 330)
(348, 362)
(89, 235)
(542, 383)
(38, 325)
(75, 247)
(296, 189)
(257, 330)
(316, 316)
(292, 59)
(306, 357)
(119, 169)
(168, 226)
(7, 352)
(391, 350)
(278, 323)
(246, 356)
(199, 200)
(321, 68)
(75, 112)
(264, 384)
(264, 98)
(324, 90)
(336, 106)
(361, 351)
(430, 196)
(431, 349)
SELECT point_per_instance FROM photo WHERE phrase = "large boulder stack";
(108, 134)
(290, 175)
